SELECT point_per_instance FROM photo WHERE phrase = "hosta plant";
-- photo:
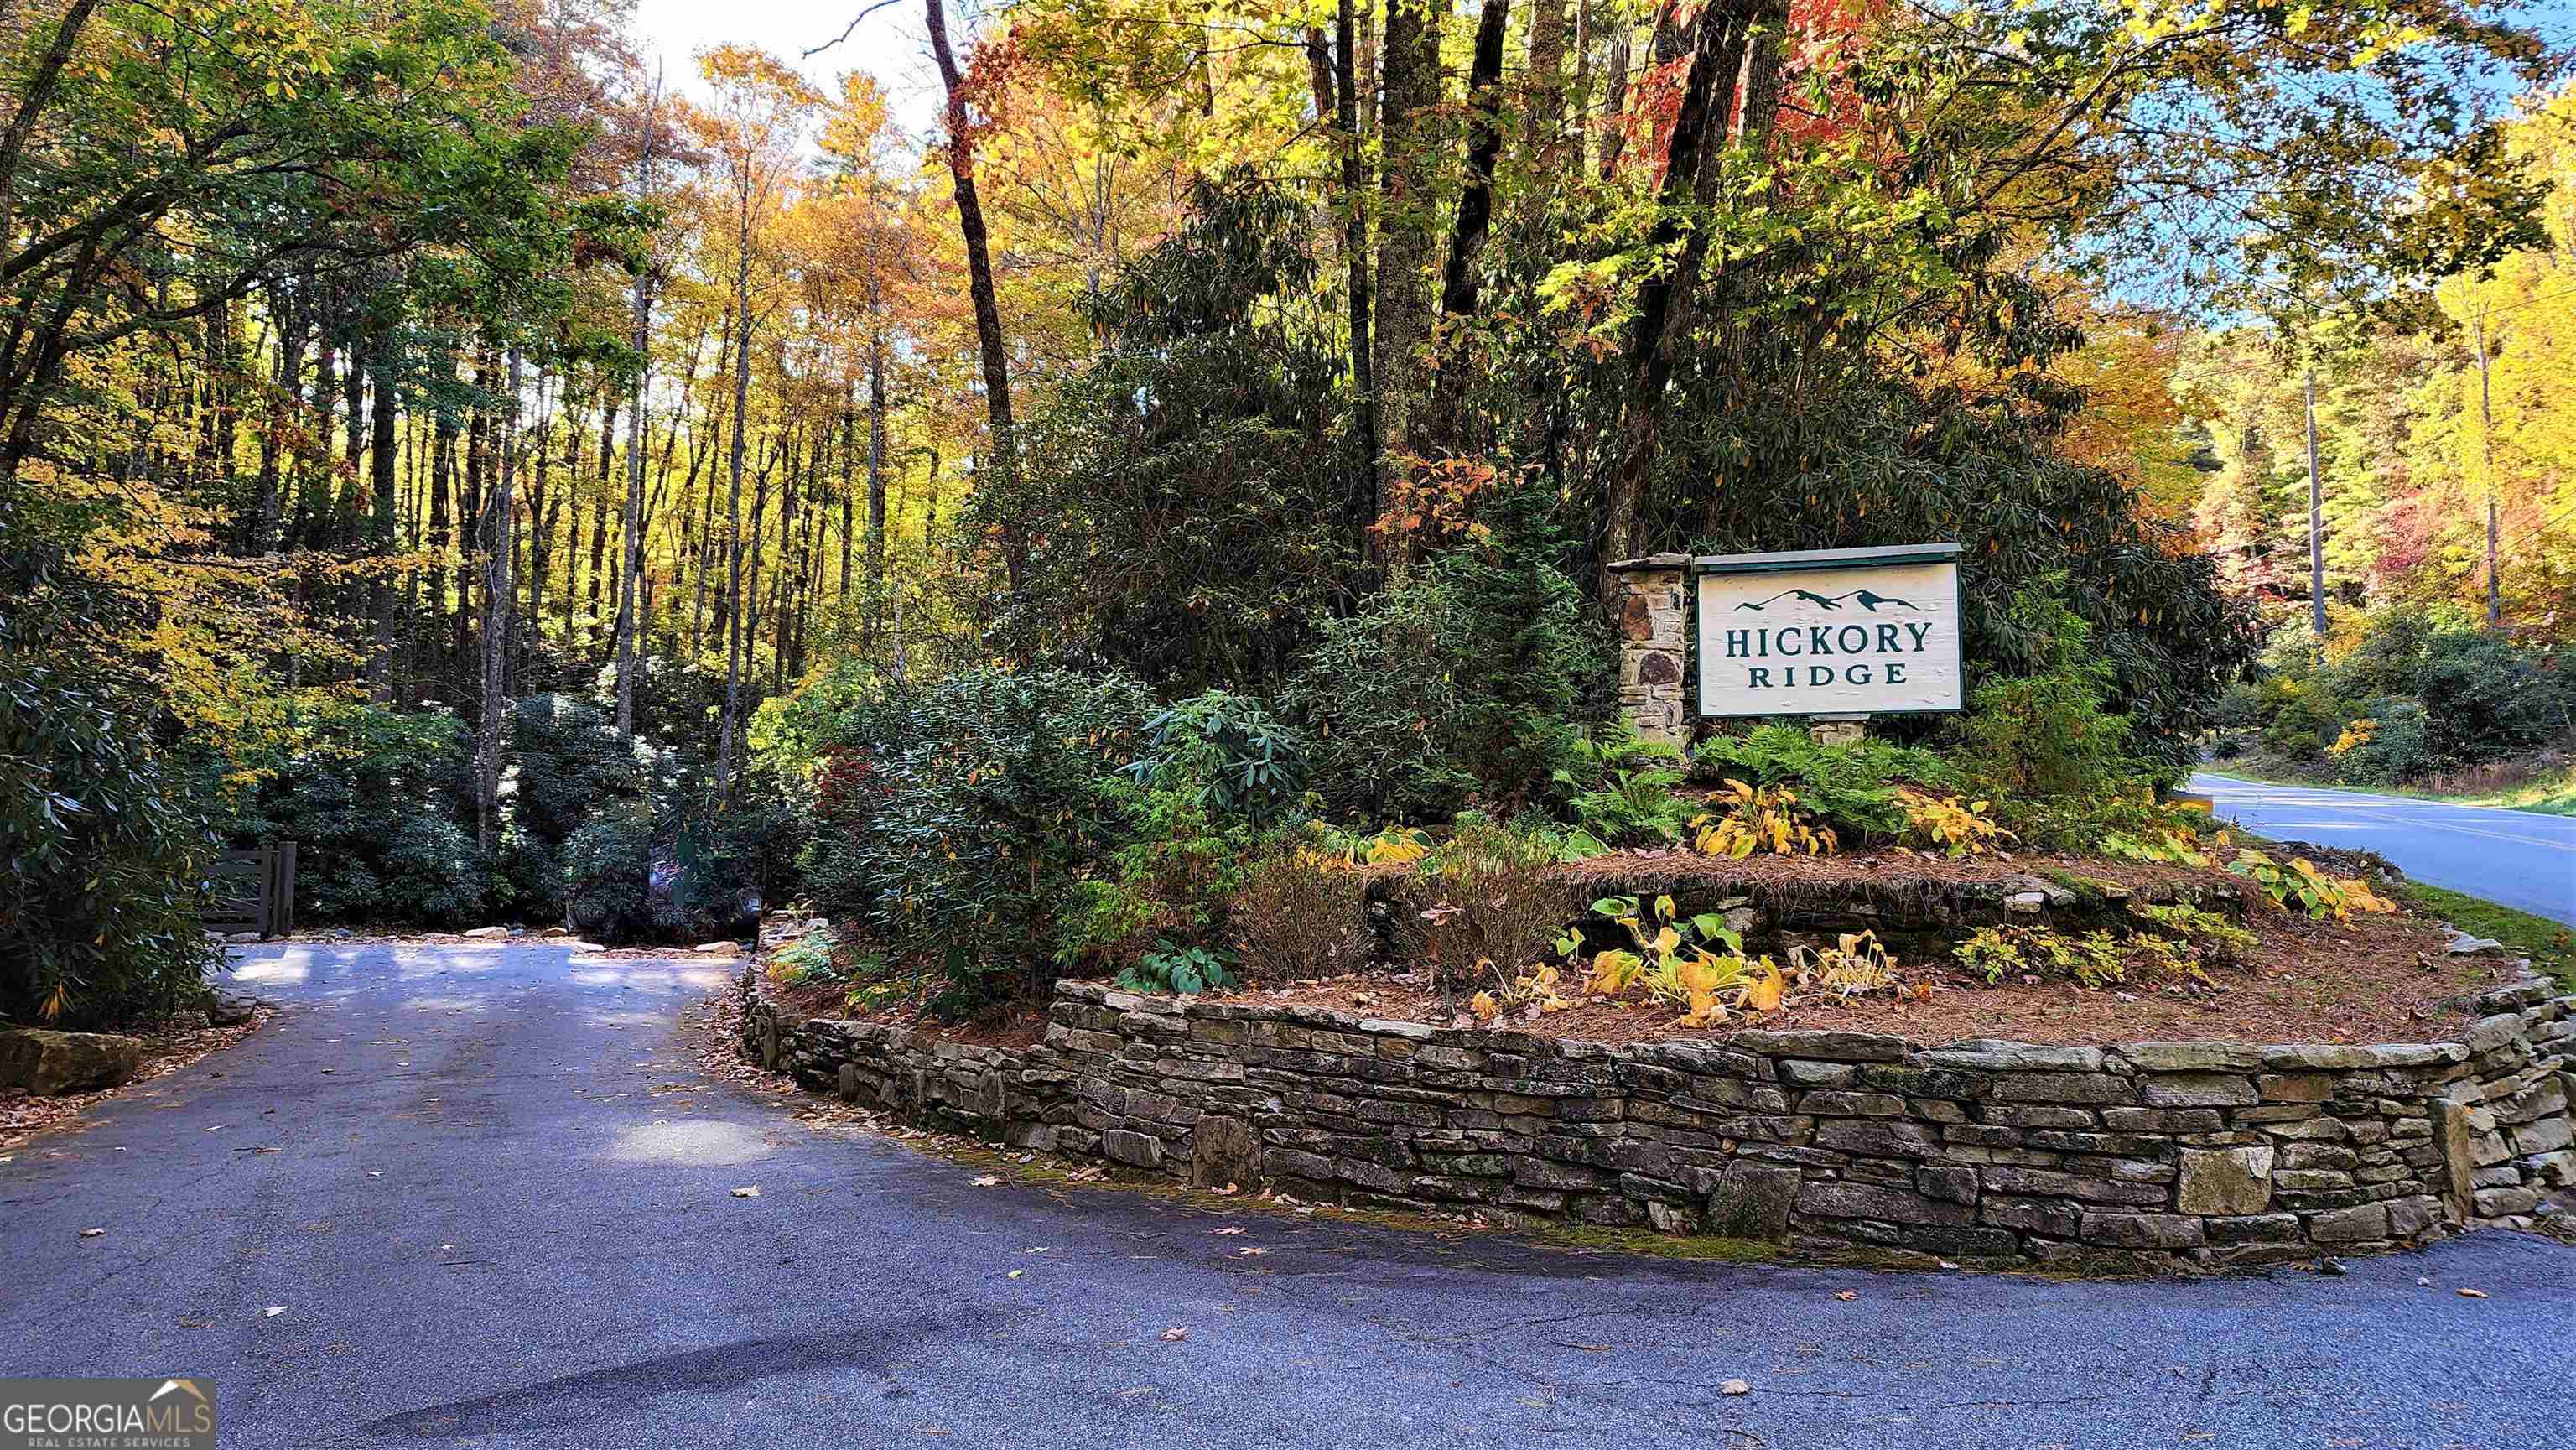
(1760, 818)
(1950, 825)
(2300, 884)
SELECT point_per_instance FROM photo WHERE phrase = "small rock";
(2473, 1293)
(718, 948)
(230, 1009)
(1735, 1387)
(91, 1233)
(489, 933)
(2423, 1283)
(2332, 1268)
(748, 1190)
(2465, 945)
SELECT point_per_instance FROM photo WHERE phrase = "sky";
(889, 44)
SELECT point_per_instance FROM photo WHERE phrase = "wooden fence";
(254, 891)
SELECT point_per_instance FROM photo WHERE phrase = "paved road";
(493, 1199)
(2522, 859)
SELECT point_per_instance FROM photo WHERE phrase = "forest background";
(429, 433)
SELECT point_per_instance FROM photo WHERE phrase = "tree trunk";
(1641, 426)
(876, 552)
(1406, 169)
(381, 523)
(630, 546)
(36, 93)
(1546, 98)
(733, 516)
(979, 282)
(1458, 288)
(1365, 488)
(1614, 106)
(442, 487)
(497, 529)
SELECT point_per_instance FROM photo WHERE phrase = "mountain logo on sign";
(1862, 597)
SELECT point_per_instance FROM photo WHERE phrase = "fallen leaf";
(989, 1180)
(2473, 1293)
(91, 1233)
(1586, 1348)
(1175, 1334)
(1225, 1230)
(1015, 1273)
(1252, 1253)
(1847, 1294)
(1735, 1387)
(272, 1311)
(748, 1190)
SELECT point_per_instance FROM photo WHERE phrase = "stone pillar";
(1653, 610)
(1838, 729)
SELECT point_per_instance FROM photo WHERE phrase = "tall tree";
(760, 112)
(959, 150)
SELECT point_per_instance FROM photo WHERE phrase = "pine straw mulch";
(2376, 978)
(23, 1117)
(1878, 872)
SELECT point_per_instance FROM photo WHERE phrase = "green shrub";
(608, 875)
(2484, 699)
(369, 795)
(2046, 734)
(1460, 684)
(1185, 969)
(107, 846)
(1228, 751)
(430, 871)
(2303, 723)
(809, 960)
(953, 821)
(674, 867)
(562, 760)
(2239, 708)
(2440, 693)
(2399, 747)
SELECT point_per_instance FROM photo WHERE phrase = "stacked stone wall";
(2149, 1155)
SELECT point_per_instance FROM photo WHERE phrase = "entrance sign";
(1829, 631)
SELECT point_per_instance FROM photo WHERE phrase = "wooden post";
(1654, 645)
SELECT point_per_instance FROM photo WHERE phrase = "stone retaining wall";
(2147, 1155)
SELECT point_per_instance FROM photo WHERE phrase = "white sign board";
(1829, 631)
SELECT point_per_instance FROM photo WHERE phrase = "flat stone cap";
(1651, 561)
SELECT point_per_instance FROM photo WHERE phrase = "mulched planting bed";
(1881, 870)
(2373, 978)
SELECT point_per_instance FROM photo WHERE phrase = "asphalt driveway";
(2522, 859)
(491, 1201)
